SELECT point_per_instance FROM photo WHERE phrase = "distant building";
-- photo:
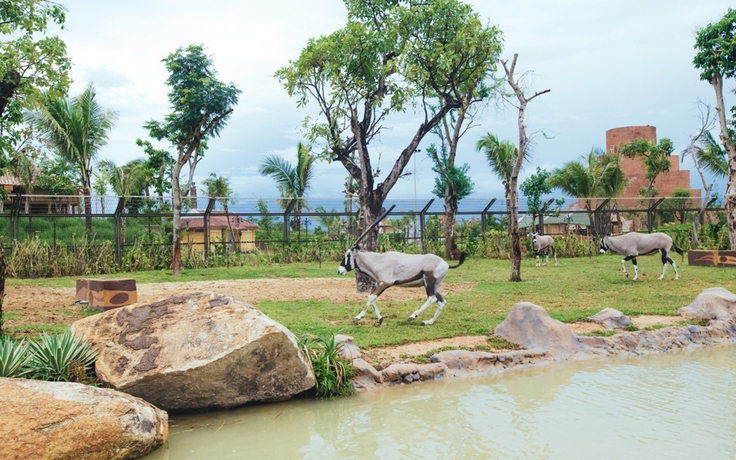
(634, 168)
(243, 232)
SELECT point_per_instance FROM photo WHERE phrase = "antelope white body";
(543, 243)
(631, 245)
(398, 269)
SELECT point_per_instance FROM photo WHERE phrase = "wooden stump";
(720, 258)
(106, 294)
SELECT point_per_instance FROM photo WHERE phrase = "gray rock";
(198, 351)
(530, 326)
(610, 318)
(712, 303)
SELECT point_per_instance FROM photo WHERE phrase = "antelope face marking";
(347, 264)
(604, 248)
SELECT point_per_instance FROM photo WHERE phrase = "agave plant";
(332, 372)
(61, 358)
(13, 357)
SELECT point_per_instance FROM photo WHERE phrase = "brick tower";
(634, 168)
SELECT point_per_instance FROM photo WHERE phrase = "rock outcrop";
(713, 303)
(62, 420)
(547, 340)
(199, 351)
(610, 318)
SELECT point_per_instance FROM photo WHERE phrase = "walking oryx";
(636, 244)
(543, 243)
(398, 269)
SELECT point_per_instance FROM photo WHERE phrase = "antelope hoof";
(355, 320)
(380, 320)
(429, 322)
(412, 318)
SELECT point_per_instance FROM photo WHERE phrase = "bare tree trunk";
(450, 214)
(730, 197)
(2, 284)
(176, 205)
(88, 209)
(513, 198)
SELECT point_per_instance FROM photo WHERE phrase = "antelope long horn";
(371, 226)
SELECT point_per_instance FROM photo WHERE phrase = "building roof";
(219, 220)
(569, 218)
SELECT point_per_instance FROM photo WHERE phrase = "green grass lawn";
(574, 290)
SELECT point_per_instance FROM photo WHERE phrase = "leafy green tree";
(501, 156)
(292, 181)
(30, 63)
(598, 175)
(159, 164)
(76, 129)
(56, 177)
(265, 222)
(675, 208)
(656, 158)
(389, 55)
(201, 106)
(127, 181)
(533, 188)
(452, 184)
(716, 60)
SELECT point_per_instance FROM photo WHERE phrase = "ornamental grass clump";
(13, 358)
(332, 372)
(61, 358)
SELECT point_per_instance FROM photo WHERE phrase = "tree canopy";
(388, 57)
(30, 62)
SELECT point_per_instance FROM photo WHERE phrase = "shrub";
(333, 373)
(13, 357)
(61, 358)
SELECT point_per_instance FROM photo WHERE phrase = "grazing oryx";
(543, 243)
(398, 269)
(636, 244)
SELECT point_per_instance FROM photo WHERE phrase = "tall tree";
(76, 129)
(716, 59)
(201, 106)
(389, 55)
(159, 164)
(522, 100)
(30, 63)
(292, 181)
(708, 157)
(656, 158)
(598, 175)
(451, 184)
(218, 187)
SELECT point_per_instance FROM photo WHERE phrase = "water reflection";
(671, 406)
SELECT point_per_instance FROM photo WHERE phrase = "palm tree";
(76, 129)
(501, 156)
(598, 175)
(219, 188)
(710, 157)
(293, 182)
(126, 180)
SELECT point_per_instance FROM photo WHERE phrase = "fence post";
(650, 214)
(14, 216)
(206, 230)
(483, 219)
(117, 224)
(422, 215)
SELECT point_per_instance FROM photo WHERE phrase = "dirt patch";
(27, 306)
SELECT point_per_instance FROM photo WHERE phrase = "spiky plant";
(332, 372)
(60, 357)
(13, 357)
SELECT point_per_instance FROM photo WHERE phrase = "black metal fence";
(330, 218)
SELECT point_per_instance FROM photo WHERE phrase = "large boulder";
(531, 326)
(197, 351)
(712, 303)
(62, 420)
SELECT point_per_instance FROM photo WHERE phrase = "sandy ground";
(57, 305)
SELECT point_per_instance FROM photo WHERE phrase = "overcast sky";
(607, 64)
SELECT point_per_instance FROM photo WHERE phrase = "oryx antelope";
(543, 243)
(398, 269)
(631, 245)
